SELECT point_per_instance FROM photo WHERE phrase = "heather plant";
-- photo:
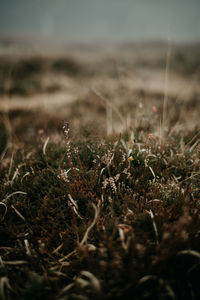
(105, 205)
(103, 220)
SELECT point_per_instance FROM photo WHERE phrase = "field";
(100, 171)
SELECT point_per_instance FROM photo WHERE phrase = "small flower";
(155, 109)
(105, 183)
(130, 158)
(151, 136)
(112, 184)
(116, 178)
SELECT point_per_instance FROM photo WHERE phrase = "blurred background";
(104, 65)
(101, 19)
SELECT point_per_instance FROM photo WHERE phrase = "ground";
(100, 181)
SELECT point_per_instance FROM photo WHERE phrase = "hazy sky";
(94, 19)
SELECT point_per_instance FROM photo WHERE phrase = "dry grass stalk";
(166, 87)
(154, 225)
(96, 214)
(45, 146)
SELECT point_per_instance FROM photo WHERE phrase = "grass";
(87, 215)
(99, 219)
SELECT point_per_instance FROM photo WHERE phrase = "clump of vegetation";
(67, 66)
(112, 220)
(91, 212)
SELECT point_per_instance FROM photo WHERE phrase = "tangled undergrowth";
(112, 220)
